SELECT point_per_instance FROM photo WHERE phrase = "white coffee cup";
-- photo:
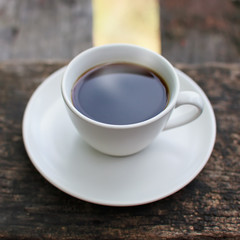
(122, 140)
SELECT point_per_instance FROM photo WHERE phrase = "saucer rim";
(120, 203)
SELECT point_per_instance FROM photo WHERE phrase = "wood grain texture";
(207, 208)
(194, 31)
(44, 29)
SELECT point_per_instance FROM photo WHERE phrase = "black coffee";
(120, 93)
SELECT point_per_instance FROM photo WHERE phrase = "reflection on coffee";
(120, 93)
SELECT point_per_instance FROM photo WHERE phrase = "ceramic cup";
(122, 140)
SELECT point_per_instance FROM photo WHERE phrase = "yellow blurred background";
(124, 21)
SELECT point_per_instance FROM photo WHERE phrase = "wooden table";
(207, 208)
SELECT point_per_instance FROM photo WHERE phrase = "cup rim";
(70, 105)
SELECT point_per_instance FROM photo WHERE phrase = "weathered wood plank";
(43, 29)
(196, 31)
(207, 208)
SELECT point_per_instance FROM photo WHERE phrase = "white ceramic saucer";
(60, 155)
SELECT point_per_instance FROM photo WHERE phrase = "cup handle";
(186, 98)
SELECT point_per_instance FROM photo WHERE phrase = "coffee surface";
(120, 93)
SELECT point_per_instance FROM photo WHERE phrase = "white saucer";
(57, 151)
